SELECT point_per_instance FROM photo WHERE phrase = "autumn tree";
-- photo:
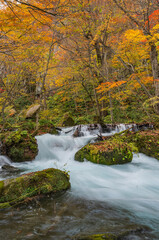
(144, 15)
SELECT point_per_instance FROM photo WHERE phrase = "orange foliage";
(105, 87)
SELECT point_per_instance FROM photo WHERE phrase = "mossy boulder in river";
(31, 186)
(19, 146)
(146, 141)
(107, 152)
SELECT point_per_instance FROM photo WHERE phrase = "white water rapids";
(133, 186)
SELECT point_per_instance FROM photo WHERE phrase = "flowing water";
(101, 198)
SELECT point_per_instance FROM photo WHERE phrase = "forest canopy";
(86, 58)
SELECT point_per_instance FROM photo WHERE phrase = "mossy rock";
(146, 141)
(107, 152)
(31, 186)
(47, 127)
(67, 121)
(19, 146)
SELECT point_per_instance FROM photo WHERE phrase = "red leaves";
(153, 19)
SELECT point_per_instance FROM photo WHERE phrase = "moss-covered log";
(107, 152)
(29, 186)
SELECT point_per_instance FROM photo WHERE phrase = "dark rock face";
(19, 146)
(29, 186)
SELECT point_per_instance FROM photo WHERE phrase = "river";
(101, 198)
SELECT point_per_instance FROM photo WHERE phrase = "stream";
(101, 199)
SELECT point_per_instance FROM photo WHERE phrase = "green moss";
(107, 152)
(47, 126)
(4, 205)
(106, 236)
(1, 186)
(146, 142)
(67, 120)
(19, 146)
(48, 181)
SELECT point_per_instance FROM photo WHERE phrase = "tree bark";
(155, 68)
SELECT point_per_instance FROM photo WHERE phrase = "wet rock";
(9, 168)
(78, 132)
(31, 186)
(107, 152)
(144, 126)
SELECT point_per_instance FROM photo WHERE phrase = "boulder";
(19, 146)
(32, 110)
(32, 186)
(47, 127)
(67, 121)
(108, 152)
(146, 141)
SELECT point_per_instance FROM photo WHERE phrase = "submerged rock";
(106, 236)
(9, 168)
(32, 185)
(107, 152)
(19, 146)
(134, 233)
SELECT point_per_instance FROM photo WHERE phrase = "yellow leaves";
(135, 36)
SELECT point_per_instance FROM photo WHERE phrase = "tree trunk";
(155, 68)
(155, 73)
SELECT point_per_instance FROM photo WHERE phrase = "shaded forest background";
(92, 60)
